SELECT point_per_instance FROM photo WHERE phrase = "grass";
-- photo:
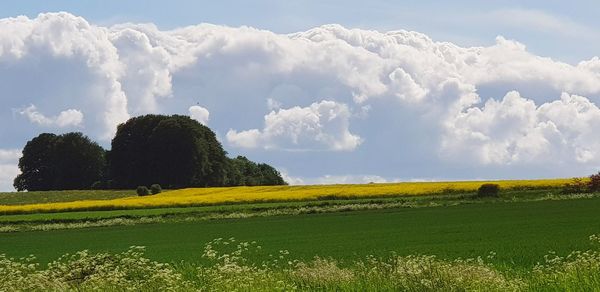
(81, 219)
(386, 246)
(228, 269)
(521, 233)
(25, 198)
(236, 195)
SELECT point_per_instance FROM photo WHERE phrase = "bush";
(488, 191)
(576, 186)
(155, 189)
(594, 183)
(142, 191)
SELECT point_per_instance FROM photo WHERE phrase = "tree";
(173, 151)
(243, 172)
(65, 162)
(36, 164)
(270, 176)
(128, 164)
(79, 162)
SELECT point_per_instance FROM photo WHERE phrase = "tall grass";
(228, 269)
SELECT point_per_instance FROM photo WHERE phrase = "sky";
(325, 91)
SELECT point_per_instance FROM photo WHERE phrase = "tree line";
(173, 151)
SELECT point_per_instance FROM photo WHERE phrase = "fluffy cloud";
(146, 66)
(68, 118)
(199, 114)
(58, 61)
(335, 179)
(349, 179)
(8, 167)
(396, 103)
(323, 125)
(515, 130)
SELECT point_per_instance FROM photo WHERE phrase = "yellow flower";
(227, 195)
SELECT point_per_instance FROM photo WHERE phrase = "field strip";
(233, 195)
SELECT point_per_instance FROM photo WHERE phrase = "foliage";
(155, 189)
(594, 182)
(84, 271)
(243, 172)
(229, 270)
(576, 186)
(590, 184)
(65, 162)
(488, 191)
(174, 151)
(142, 191)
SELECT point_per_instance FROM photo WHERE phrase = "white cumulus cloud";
(199, 114)
(396, 103)
(516, 130)
(322, 125)
(349, 179)
(67, 118)
(8, 168)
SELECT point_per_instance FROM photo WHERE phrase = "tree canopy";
(173, 151)
(60, 162)
(243, 172)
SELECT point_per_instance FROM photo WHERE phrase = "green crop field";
(518, 240)
(520, 233)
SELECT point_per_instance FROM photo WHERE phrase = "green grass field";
(521, 233)
(520, 227)
(409, 201)
(23, 198)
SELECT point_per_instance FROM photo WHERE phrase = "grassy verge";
(227, 268)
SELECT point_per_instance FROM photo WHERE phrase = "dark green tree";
(243, 172)
(65, 162)
(173, 151)
(36, 164)
(128, 158)
(270, 176)
(79, 162)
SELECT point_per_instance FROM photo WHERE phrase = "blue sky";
(326, 91)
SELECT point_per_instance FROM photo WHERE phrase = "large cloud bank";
(330, 100)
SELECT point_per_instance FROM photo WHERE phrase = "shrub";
(576, 186)
(155, 189)
(594, 183)
(142, 191)
(488, 191)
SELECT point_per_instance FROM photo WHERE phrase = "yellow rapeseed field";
(228, 195)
